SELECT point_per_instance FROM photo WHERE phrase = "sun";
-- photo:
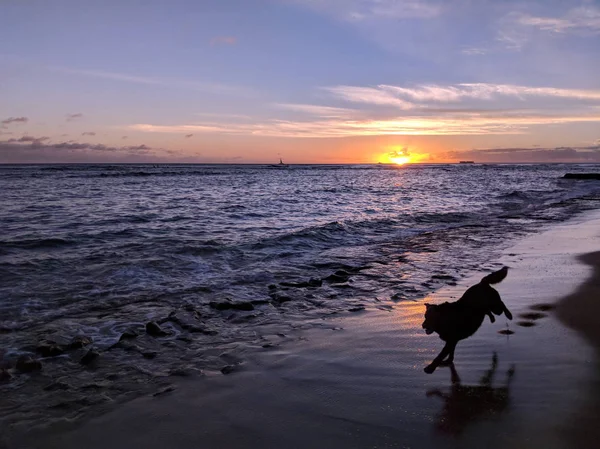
(400, 160)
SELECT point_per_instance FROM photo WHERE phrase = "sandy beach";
(358, 381)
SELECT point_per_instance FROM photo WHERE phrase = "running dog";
(455, 321)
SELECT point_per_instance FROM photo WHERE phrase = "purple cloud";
(71, 117)
(559, 154)
(11, 120)
(27, 143)
(29, 139)
(88, 133)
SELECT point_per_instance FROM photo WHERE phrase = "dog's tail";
(495, 277)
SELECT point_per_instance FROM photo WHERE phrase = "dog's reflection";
(468, 403)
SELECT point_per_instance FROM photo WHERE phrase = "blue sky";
(308, 80)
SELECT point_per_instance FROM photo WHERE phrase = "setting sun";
(400, 160)
(400, 155)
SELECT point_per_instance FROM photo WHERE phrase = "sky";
(308, 81)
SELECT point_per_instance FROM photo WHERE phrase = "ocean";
(224, 256)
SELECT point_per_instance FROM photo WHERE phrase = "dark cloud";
(71, 117)
(187, 136)
(29, 139)
(88, 133)
(10, 120)
(521, 155)
(403, 152)
(124, 137)
(29, 143)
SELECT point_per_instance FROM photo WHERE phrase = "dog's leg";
(491, 315)
(454, 376)
(450, 359)
(506, 311)
(441, 356)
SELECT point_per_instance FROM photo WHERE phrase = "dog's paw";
(429, 369)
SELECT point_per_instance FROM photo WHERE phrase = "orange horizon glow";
(399, 156)
(400, 160)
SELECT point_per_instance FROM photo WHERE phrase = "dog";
(458, 320)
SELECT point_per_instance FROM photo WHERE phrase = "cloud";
(12, 120)
(379, 95)
(474, 51)
(29, 143)
(407, 97)
(511, 38)
(365, 10)
(71, 117)
(33, 140)
(187, 136)
(522, 155)
(467, 123)
(580, 19)
(164, 82)
(403, 152)
(223, 40)
(477, 109)
(125, 137)
(88, 133)
(316, 110)
(226, 116)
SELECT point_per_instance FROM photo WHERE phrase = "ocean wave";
(32, 244)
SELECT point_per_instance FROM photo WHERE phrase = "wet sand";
(581, 312)
(358, 382)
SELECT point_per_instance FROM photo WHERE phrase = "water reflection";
(465, 404)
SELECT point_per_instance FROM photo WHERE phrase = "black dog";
(459, 320)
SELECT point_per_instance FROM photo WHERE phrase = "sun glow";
(400, 155)
(400, 160)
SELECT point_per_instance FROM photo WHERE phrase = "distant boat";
(466, 162)
(280, 165)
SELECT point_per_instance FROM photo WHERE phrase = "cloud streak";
(88, 133)
(72, 117)
(30, 143)
(523, 155)
(163, 82)
(581, 19)
(223, 40)
(11, 120)
(317, 110)
(365, 10)
(407, 98)
(458, 124)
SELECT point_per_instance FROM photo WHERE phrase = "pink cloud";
(223, 40)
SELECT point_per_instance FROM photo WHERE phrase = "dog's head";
(432, 316)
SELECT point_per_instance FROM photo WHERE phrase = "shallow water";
(360, 383)
(97, 250)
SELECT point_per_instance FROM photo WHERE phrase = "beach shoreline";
(357, 382)
(581, 312)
